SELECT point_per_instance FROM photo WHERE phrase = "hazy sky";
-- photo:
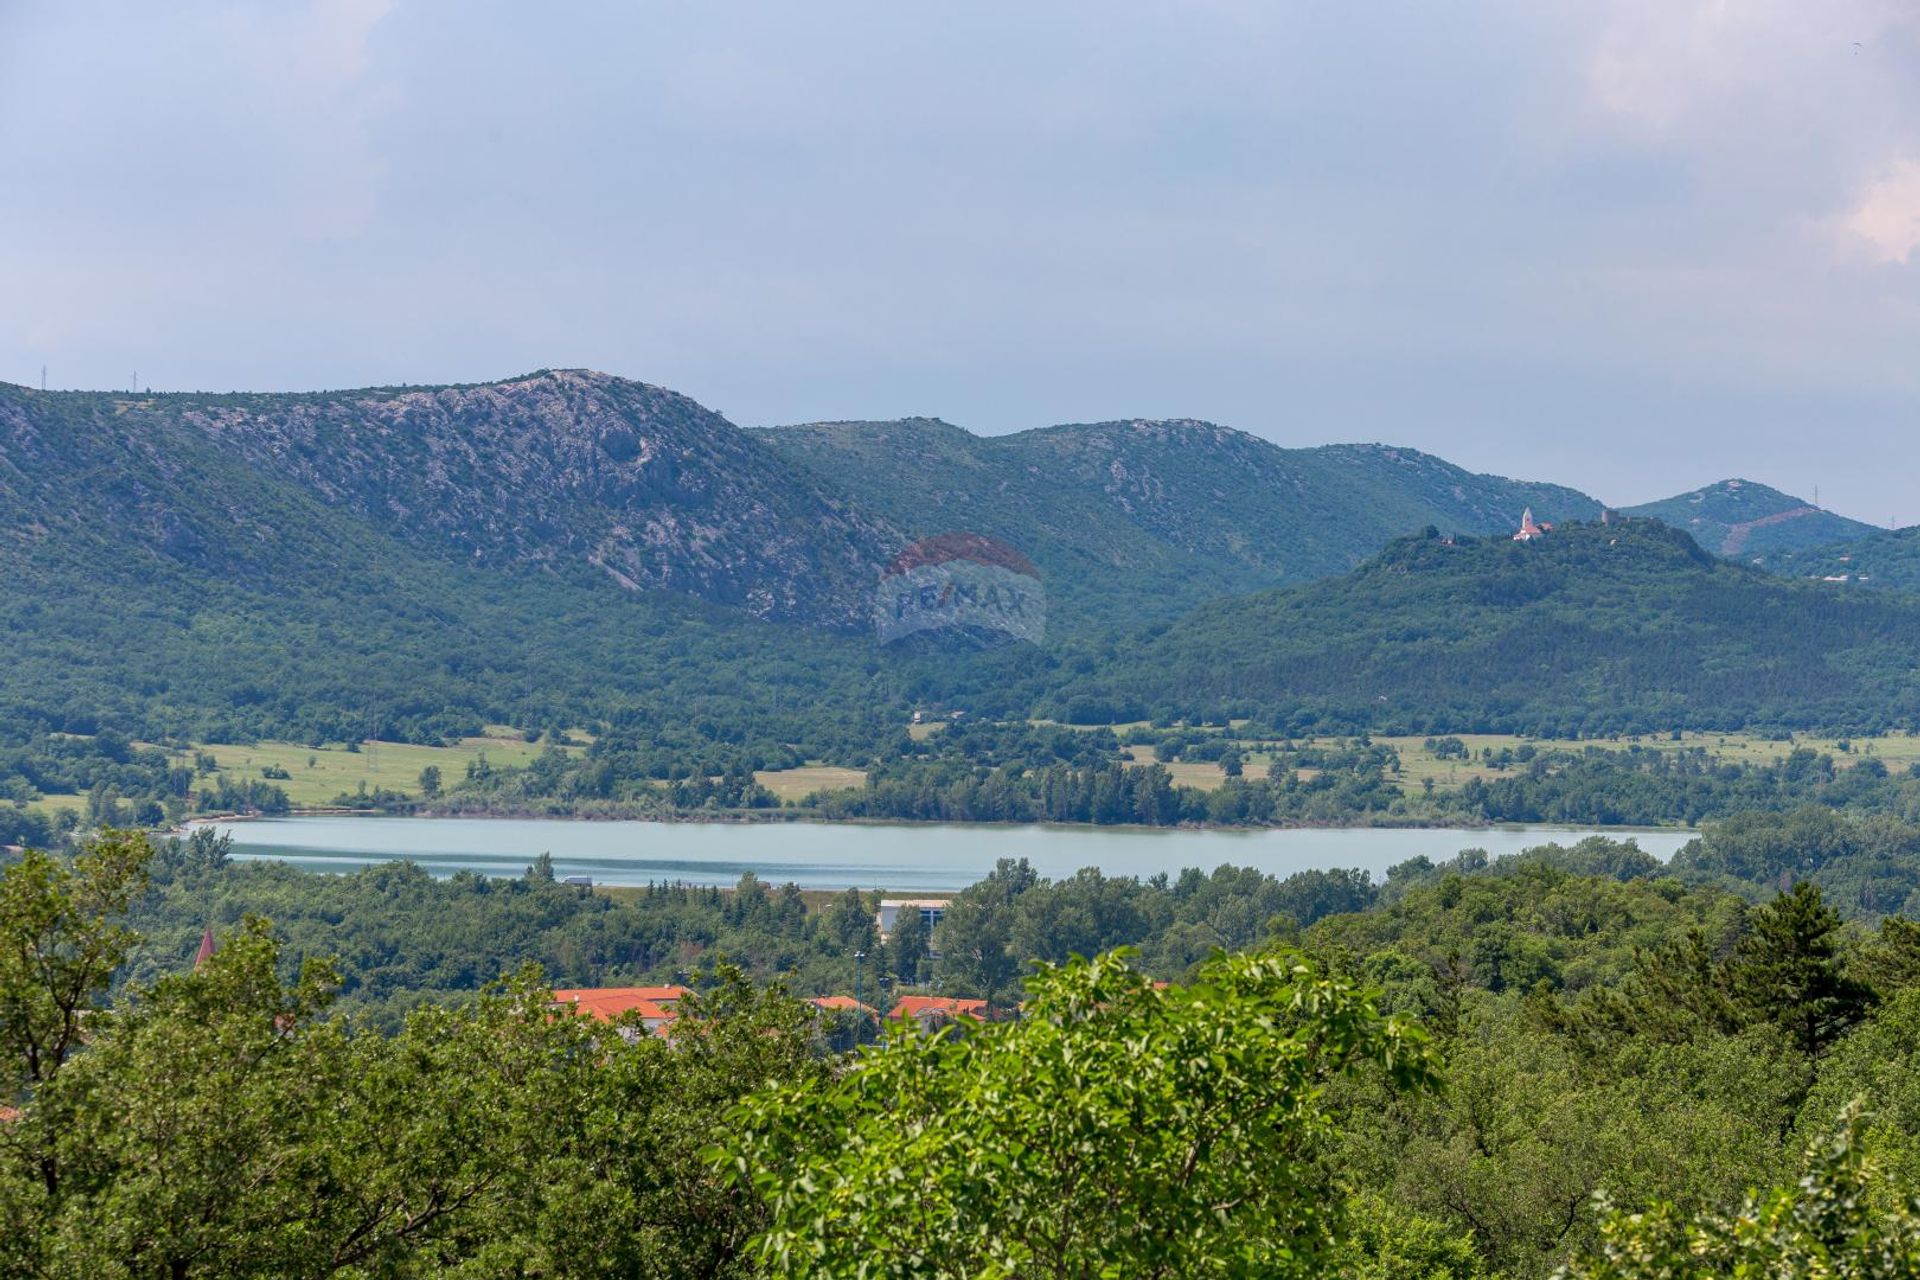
(1633, 247)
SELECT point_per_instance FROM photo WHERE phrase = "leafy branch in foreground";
(1118, 1129)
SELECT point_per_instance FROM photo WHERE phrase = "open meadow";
(317, 776)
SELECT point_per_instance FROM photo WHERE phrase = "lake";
(816, 855)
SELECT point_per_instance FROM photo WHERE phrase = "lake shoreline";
(907, 857)
(778, 817)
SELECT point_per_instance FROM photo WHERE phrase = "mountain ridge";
(554, 468)
(1739, 518)
(1161, 511)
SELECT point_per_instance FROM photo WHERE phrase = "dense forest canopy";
(1592, 630)
(1572, 1058)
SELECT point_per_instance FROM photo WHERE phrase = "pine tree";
(1787, 970)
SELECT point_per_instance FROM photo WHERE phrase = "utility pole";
(43, 377)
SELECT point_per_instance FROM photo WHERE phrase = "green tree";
(1787, 969)
(1840, 1220)
(430, 781)
(849, 922)
(1891, 961)
(907, 945)
(61, 940)
(1115, 1130)
(976, 930)
(1879, 1064)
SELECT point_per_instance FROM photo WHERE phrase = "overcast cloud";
(1633, 247)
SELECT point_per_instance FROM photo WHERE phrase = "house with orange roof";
(842, 1004)
(936, 1011)
(657, 1006)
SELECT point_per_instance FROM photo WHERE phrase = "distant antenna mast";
(43, 377)
(1816, 497)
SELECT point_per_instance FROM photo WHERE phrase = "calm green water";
(820, 855)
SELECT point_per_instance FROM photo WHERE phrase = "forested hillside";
(1133, 521)
(1595, 628)
(1750, 522)
(572, 550)
(1888, 558)
(560, 469)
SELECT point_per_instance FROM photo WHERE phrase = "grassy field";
(318, 775)
(1204, 774)
(796, 784)
(52, 804)
(1896, 751)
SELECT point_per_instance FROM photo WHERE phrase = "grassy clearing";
(797, 784)
(318, 775)
(52, 804)
(1896, 751)
(1203, 774)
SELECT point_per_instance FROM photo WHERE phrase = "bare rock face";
(564, 468)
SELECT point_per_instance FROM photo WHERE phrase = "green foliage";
(909, 946)
(1115, 1130)
(61, 942)
(1879, 1065)
(1596, 629)
(1836, 1222)
(1865, 866)
(1603, 1029)
(1883, 558)
(1387, 1242)
(1788, 970)
(225, 1121)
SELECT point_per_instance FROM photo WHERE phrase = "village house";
(1529, 530)
(934, 1012)
(657, 1006)
(842, 1004)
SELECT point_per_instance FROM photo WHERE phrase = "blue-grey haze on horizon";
(1634, 247)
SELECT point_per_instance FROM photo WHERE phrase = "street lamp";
(858, 956)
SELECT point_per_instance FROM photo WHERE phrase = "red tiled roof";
(842, 1002)
(207, 947)
(608, 1003)
(920, 1006)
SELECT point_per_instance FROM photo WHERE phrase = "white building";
(930, 909)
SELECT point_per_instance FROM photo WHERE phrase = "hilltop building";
(1529, 529)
